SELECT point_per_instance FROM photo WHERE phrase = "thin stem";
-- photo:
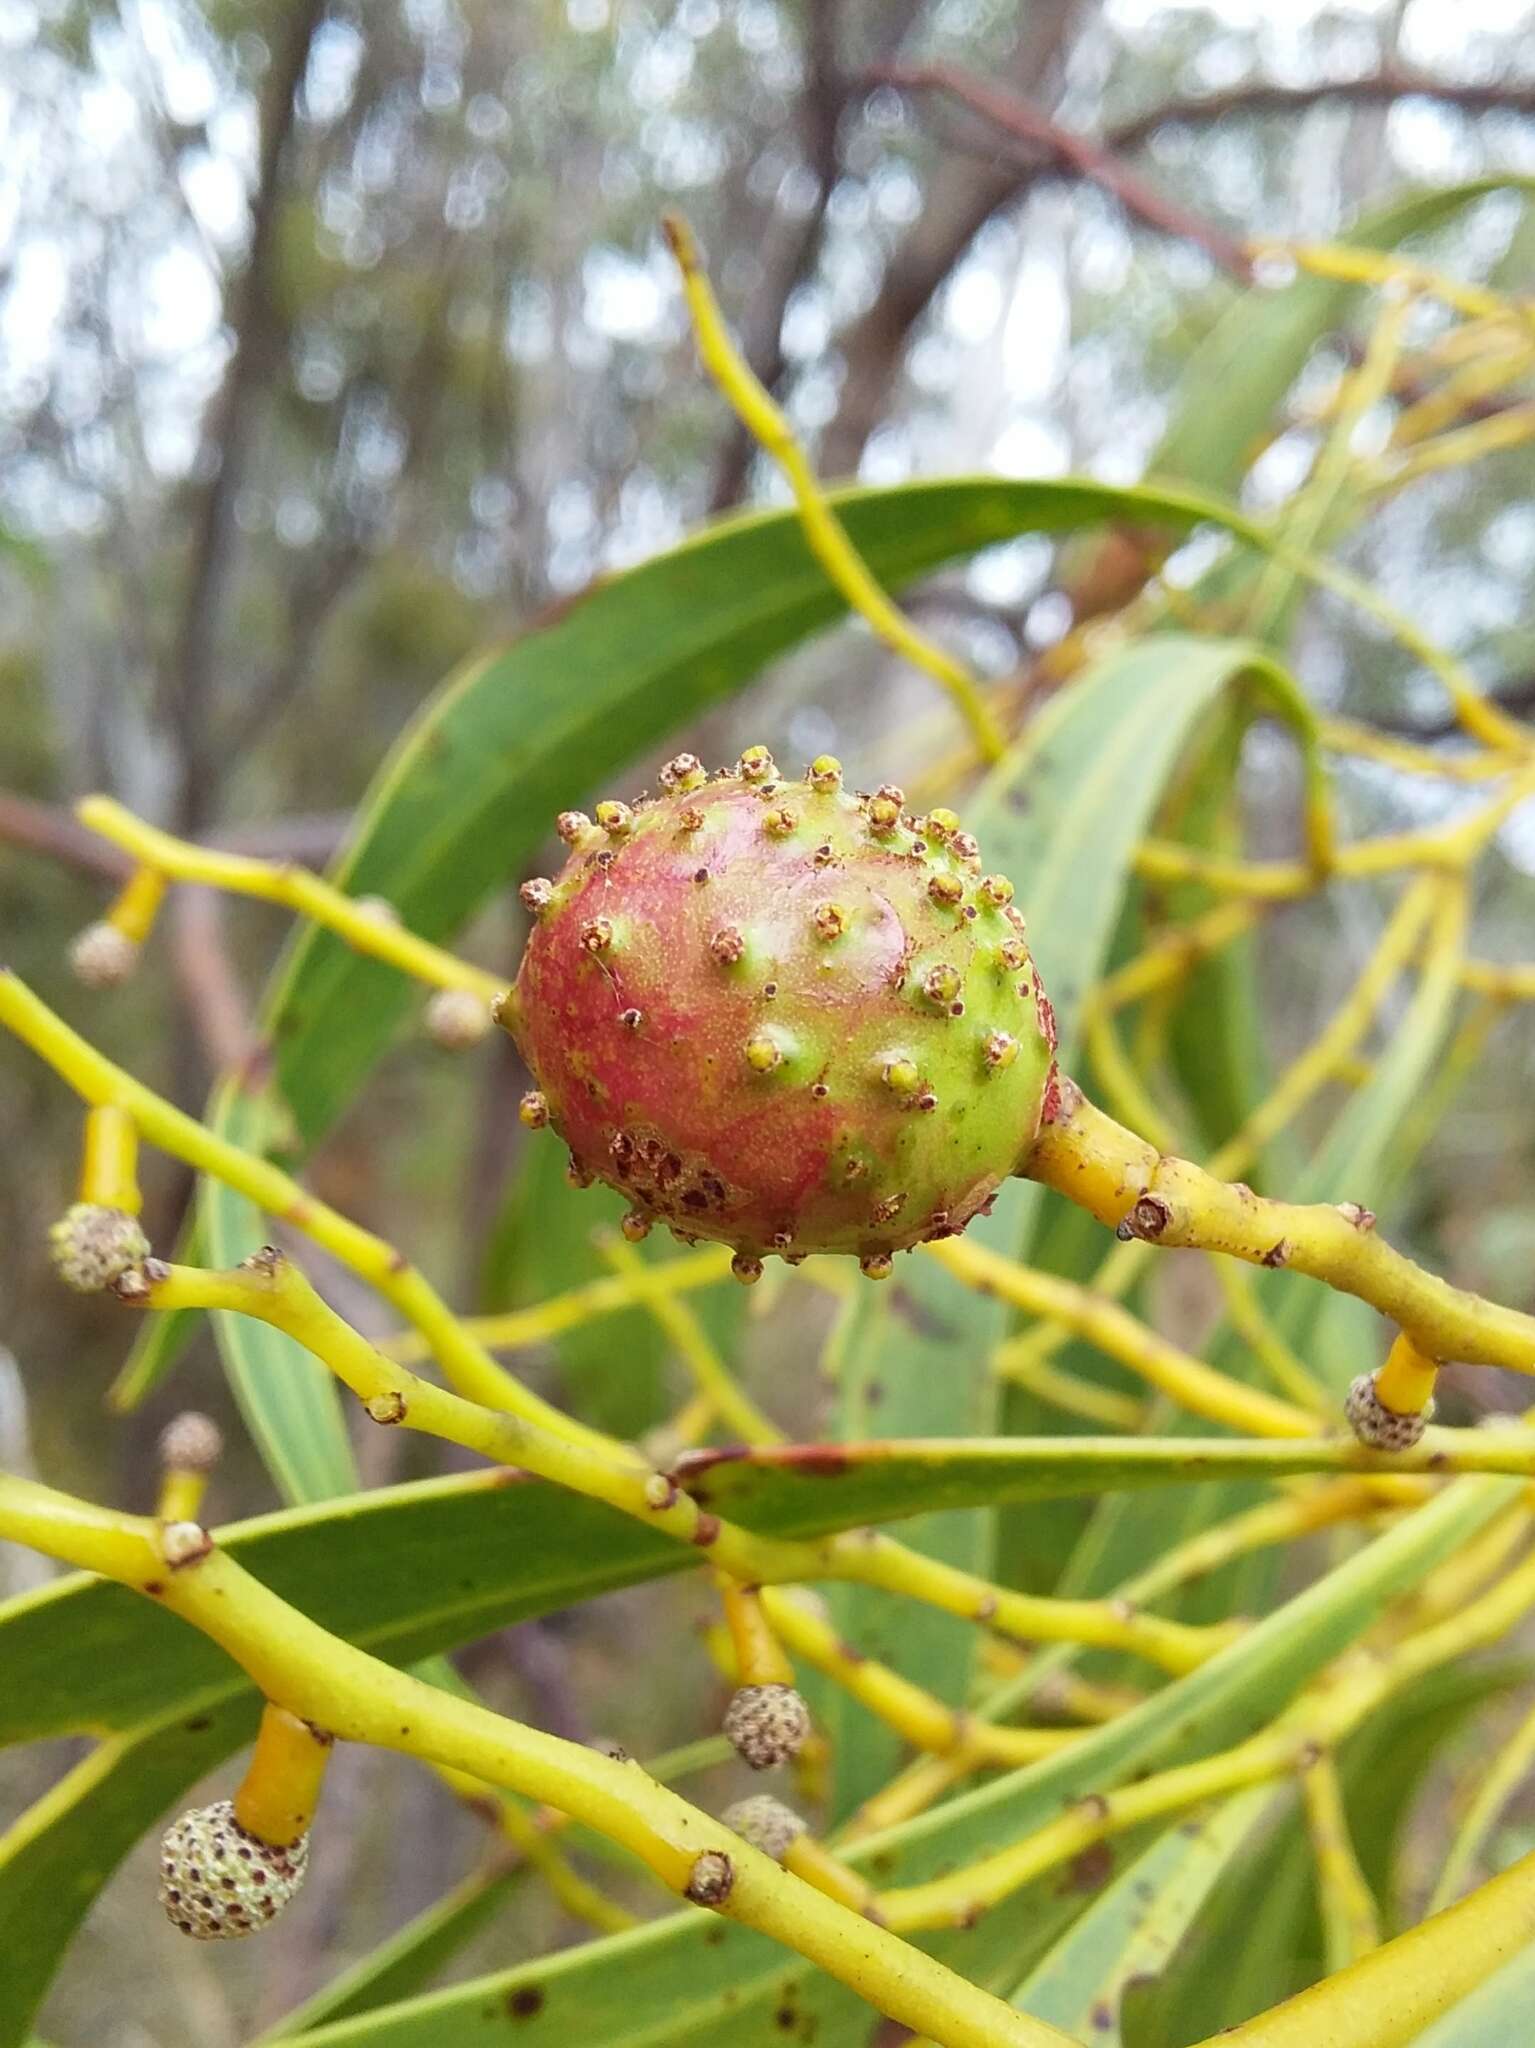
(1500, 1780)
(1146, 1195)
(520, 1329)
(269, 1287)
(824, 533)
(649, 1285)
(920, 1717)
(1195, 1386)
(381, 937)
(1350, 1916)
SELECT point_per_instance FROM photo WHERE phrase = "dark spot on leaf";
(526, 2000)
(1090, 1871)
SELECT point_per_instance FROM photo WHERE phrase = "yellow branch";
(824, 532)
(1308, 1072)
(1364, 743)
(1388, 1999)
(109, 1161)
(1350, 1917)
(652, 1287)
(1195, 1386)
(319, 1678)
(96, 1080)
(269, 1287)
(1318, 1719)
(920, 1717)
(1171, 1202)
(519, 1329)
(529, 1835)
(1499, 1780)
(361, 924)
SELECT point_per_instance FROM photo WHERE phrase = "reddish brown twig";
(1074, 152)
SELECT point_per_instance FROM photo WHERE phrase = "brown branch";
(51, 830)
(960, 199)
(1065, 149)
(207, 980)
(786, 266)
(1374, 88)
(229, 432)
(960, 204)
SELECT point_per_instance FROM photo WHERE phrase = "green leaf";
(410, 1958)
(1079, 792)
(906, 1359)
(691, 1979)
(1063, 814)
(1491, 2012)
(290, 1402)
(816, 1487)
(1131, 1930)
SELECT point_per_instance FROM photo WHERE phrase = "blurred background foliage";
(339, 343)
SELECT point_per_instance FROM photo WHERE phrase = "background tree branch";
(255, 323)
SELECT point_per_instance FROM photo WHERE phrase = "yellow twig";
(109, 1162)
(1512, 428)
(1319, 1718)
(520, 1329)
(1364, 743)
(530, 1837)
(650, 1285)
(1350, 1917)
(1245, 1314)
(361, 925)
(269, 1287)
(924, 1720)
(1171, 1202)
(1498, 1782)
(824, 532)
(1195, 1386)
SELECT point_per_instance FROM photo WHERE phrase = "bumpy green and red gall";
(782, 1015)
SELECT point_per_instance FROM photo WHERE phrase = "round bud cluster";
(102, 956)
(783, 1015)
(91, 1246)
(218, 1881)
(766, 1823)
(767, 1724)
(456, 1018)
(191, 1442)
(1375, 1425)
